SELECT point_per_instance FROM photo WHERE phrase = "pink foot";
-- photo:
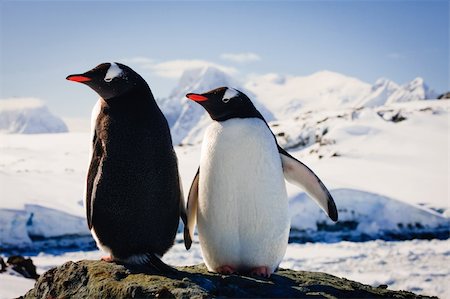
(226, 270)
(262, 271)
(107, 258)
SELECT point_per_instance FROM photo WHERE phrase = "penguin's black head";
(110, 80)
(224, 103)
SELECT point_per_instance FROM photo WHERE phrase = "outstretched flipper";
(299, 174)
(192, 204)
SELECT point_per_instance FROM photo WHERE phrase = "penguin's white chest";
(242, 214)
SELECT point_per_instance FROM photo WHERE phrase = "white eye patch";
(113, 72)
(229, 94)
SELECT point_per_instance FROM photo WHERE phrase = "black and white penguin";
(238, 197)
(133, 192)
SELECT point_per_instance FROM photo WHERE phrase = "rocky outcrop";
(98, 279)
(19, 265)
(444, 96)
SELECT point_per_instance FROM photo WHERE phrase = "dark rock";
(444, 96)
(398, 117)
(390, 115)
(98, 279)
(3, 266)
(23, 266)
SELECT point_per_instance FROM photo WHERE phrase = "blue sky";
(44, 41)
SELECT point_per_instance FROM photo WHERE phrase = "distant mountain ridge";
(385, 92)
(285, 95)
(28, 116)
(281, 96)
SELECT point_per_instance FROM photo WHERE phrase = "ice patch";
(363, 216)
(48, 223)
(113, 72)
(13, 228)
(18, 228)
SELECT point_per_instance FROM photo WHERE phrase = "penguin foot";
(107, 258)
(262, 271)
(226, 270)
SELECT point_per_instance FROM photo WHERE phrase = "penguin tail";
(149, 263)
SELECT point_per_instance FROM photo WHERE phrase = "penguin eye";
(226, 100)
(108, 79)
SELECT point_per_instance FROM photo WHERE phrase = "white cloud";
(241, 57)
(175, 68)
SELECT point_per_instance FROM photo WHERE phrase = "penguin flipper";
(299, 174)
(182, 206)
(192, 204)
(97, 152)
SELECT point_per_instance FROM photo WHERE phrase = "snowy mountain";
(28, 116)
(286, 96)
(379, 93)
(282, 96)
(413, 91)
(188, 118)
(388, 92)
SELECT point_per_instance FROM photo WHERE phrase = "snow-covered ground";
(41, 186)
(364, 149)
(419, 266)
